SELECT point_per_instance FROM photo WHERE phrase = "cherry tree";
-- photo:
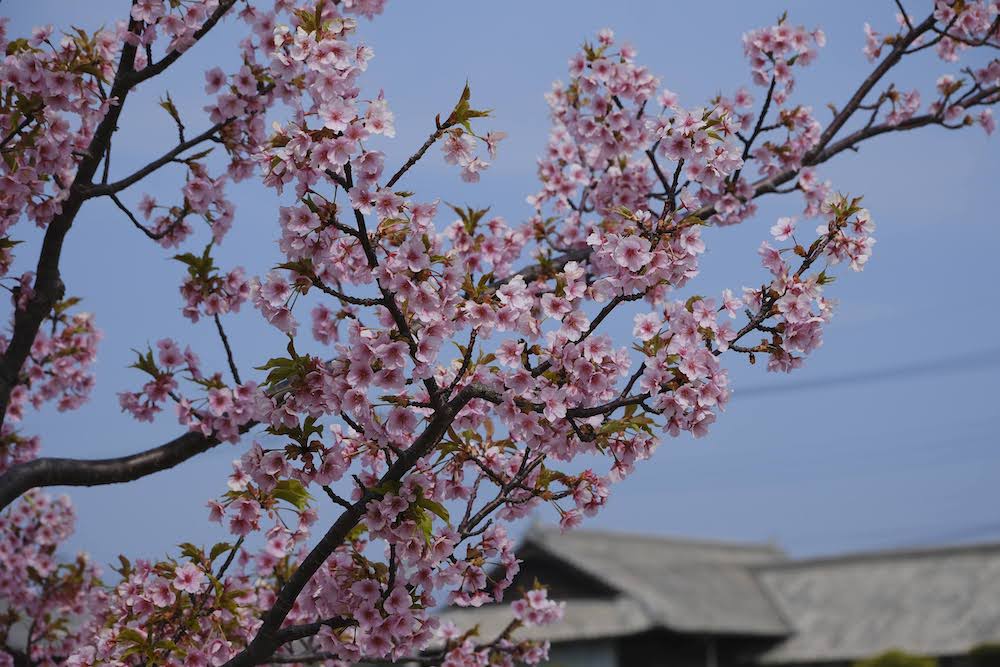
(425, 453)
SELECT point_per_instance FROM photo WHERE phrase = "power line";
(953, 365)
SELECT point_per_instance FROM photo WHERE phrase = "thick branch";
(269, 636)
(48, 287)
(96, 472)
(898, 50)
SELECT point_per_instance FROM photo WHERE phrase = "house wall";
(598, 653)
(660, 649)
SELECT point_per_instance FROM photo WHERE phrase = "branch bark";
(269, 637)
(166, 158)
(49, 288)
(82, 472)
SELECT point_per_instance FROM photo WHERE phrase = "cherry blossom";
(435, 393)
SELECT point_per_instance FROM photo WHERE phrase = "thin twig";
(229, 350)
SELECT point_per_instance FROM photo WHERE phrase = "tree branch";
(166, 158)
(229, 351)
(269, 635)
(49, 288)
(156, 236)
(152, 69)
(96, 472)
(898, 50)
(435, 135)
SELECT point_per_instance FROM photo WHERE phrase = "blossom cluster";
(58, 367)
(219, 410)
(58, 602)
(443, 394)
(50, 108)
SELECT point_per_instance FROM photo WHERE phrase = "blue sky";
(887, 437)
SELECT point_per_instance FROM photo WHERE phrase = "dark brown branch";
(48, 287)
(165, 159)
(156, 236)
(748, 144)
(294, 632)
(388, 298)
(269, 635)
(850, 142)
(96, 472)
(906, 17)
(898, 51)
(152, 69)
(972, 42)
(29, 119)
(611, 305)
(335, 498)
(346, 298)
(651, 154)
(435, 135)
(771, 184)
(229, 350)
(466, 362)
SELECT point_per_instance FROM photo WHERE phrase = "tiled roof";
(940, 601)
(931, 601)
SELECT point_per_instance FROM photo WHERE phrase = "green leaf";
(219, 549)
(131, 635)
(191, 551)
(292, 491)
(198, 266)
(356, 532)
(166, 644)
(170, 108)
(424, 523)
(126, 568)
(463, 112)
(64, 305)
(435, 507)
(390, 486)
(689, 304)
(132, 650)
(146, 363)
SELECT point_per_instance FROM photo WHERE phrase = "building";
(636, 601)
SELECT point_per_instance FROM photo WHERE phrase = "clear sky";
(887, 437)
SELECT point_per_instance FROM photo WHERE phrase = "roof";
(680, 585)
(939, 601)
(582, 620)
(683, 585)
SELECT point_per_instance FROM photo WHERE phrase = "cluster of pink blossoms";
(208, 293)
(444, 393)
(223, 411)
(58, 367)
(56, 603)
(57, 105)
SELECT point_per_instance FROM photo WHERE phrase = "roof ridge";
(544, 530)
(880, 554)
